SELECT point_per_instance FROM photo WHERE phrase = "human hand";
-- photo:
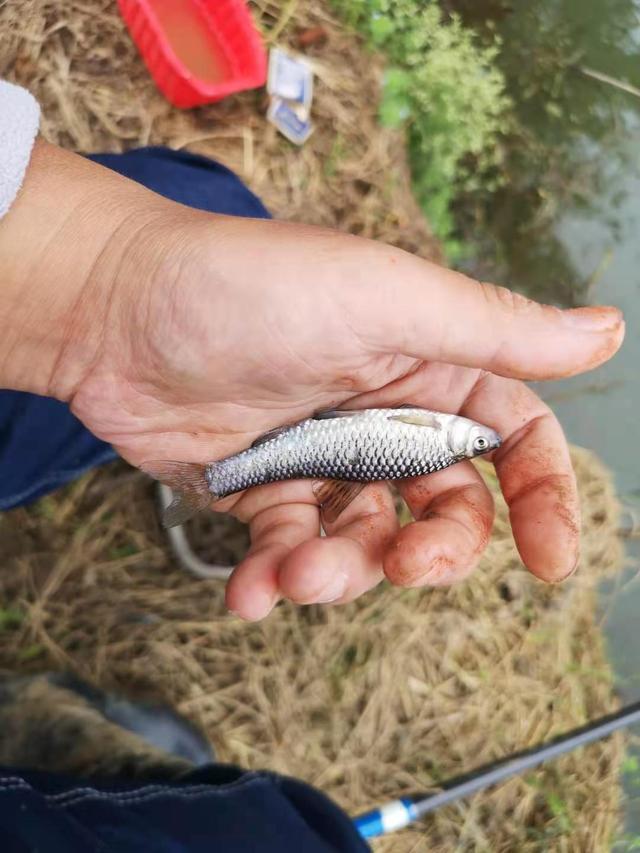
(211, 330)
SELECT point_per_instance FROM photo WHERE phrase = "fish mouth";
(495, 443)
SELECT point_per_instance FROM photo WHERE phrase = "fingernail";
(273, 600)
(593, 318)
(333, 590)
(570, 573)
(262, 606)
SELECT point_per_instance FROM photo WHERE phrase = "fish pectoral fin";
(188, 482)
(420, 419)
(334, 496)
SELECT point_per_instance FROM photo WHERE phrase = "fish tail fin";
(188, 482)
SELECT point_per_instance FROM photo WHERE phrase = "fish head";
(467, 438)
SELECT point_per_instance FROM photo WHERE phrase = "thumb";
(431, 313)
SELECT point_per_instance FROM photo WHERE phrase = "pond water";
(601, 411)
(579, 242)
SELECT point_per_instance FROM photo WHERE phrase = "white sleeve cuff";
(19, 123)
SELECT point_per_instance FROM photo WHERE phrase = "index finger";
(535, 473)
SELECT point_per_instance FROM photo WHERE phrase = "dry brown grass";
(78, 60)
(390, 694)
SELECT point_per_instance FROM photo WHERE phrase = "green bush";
(444, 87)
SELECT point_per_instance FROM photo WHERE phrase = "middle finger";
(454, 515)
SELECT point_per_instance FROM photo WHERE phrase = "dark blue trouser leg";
(217, 808)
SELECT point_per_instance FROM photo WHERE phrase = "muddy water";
(566, 227)
(602, 411)
(193, 41)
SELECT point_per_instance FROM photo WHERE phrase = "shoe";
(58, 723)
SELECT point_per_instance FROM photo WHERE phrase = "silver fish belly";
(350, 447)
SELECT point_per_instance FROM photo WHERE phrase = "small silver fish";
(347, 449)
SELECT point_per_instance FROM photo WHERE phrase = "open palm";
(220, 329)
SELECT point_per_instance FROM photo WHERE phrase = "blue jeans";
(215, 808)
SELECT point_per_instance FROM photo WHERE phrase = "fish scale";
(367, 446)
(344, 449)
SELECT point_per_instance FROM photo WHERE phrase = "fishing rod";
(398, 814)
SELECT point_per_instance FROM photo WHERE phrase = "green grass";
(10, 618)
(444, 88)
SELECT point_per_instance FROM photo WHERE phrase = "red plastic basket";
(197, 51)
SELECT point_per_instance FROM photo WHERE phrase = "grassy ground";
(388, 695)
(78, 60)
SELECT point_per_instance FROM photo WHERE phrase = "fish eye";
(480, 444)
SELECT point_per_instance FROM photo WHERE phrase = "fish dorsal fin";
(329, 414)
(188, 482)
(334, 496)
(325, 415)
(269, 436)
(418, 418)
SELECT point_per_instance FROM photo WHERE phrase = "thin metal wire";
(181, 547)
